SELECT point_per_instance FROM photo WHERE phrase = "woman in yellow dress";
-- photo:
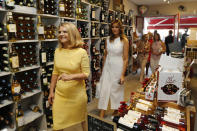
(67, 89)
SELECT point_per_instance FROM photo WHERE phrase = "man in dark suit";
(169, 40)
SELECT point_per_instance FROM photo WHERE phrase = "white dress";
(108, 87)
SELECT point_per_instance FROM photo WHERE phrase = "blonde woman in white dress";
(110, 86)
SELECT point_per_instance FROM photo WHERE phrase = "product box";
(170, 80)
(169, 85)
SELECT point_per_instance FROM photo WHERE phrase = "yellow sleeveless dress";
(70, 102)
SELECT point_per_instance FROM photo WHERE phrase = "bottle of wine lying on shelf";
(35, 108)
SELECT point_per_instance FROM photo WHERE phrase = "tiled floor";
(132, 84)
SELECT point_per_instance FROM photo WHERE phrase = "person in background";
(110, 86)
(157, 48)
(150, 35)
(143, 53)
(67, 89)
(184, 38)
(169, 40)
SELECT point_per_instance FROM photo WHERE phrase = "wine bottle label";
(93, 14)
(15, 62)
(171, 119)
(131, 119)
(134, 113)
(145, 102)
(11, 27)
(47, 104)
(142, 106)
(45, 81)
(93, 32)
(44, 59)
(40, 29)
(10, 2)
(61, 7)
(17, 89)
(178, 116)
(103, 17)
(169, 109)
(125, 122)
(20, 121)
(102, 31)
(118, 129)
(80, 10)
(167, 128)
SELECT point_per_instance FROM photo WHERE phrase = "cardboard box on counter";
(170, 78)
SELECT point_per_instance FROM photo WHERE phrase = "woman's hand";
(65, 77)
(51, 98)
(121, 80)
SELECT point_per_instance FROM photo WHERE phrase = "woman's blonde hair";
(121, 32)
(75, 40)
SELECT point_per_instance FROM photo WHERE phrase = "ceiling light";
(164, 0)
(168, 2)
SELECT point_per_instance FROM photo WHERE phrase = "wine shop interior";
(155, 89)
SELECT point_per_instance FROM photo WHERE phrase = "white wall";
(172, 9)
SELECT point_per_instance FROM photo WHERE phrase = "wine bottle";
(11, 27)
(93, 30)
(43, 58)
(40, 29)
(61, 8)
(14, 59)
(35, 108)
(16, 88)
(93, 13)
(9, 4)
(19, 115)
(79, 9)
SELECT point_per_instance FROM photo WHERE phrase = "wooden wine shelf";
(29, 94)
(50, 40)
(4, 42)
(25, 10)
(83, 20)
(68, 18)
(30, 116)
(5, 73)
(49, 63)
(5, 103)
(28, 68)
(48, 16)
(24, 41)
